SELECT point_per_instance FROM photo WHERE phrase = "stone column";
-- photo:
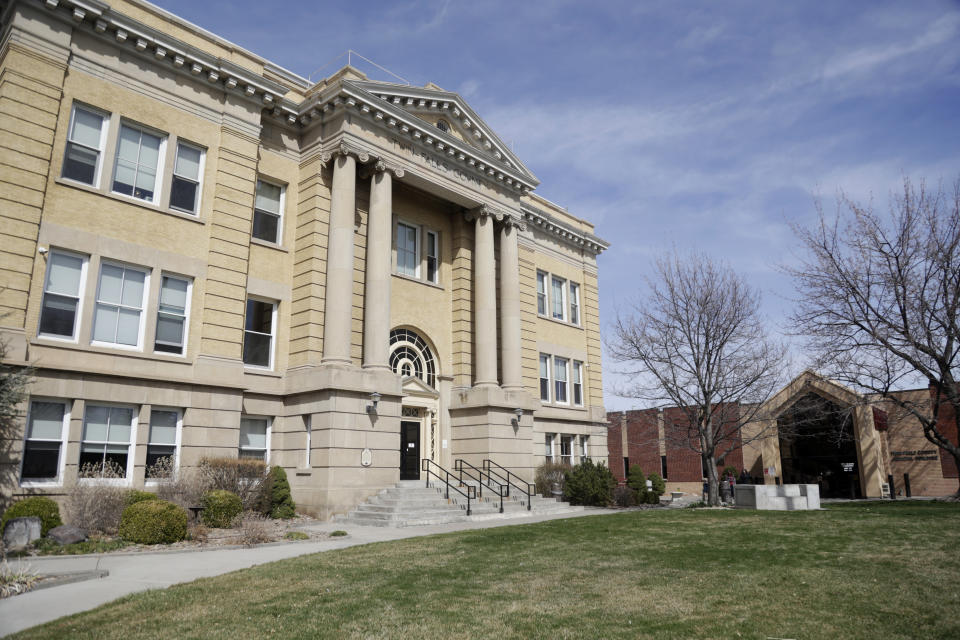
(484, 301)
(376, 297)
(337, 316)
(510, 305)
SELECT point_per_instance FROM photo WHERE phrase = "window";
(185, 184)
(663, 467)
(254, 436)
(408, 259)
(164, 439)
(560, 380)
(42, 451)
(61, 294)
(138, 158)
(584, 447)
(120, 293)
(84, 145)
(544, 377)
(172, 315)
(433, 256)
(557, 286)
(578, 383)
(574, 303)
(443, 126)
(267, 212)
(308, 427)
(548, 441)
(258, 333)
(566, 449)
(107, 433)
(541, 293)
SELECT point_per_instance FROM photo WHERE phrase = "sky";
(708, 126)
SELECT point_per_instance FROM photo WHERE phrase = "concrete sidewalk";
(131, 572)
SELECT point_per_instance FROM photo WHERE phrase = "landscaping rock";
(20, 532)
(67, 534)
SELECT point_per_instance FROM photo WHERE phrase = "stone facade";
(204, 254)
(887, 450)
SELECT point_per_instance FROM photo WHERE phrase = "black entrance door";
(409, 450)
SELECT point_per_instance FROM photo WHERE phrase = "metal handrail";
(477, 475)
(469, 494)
(527, 488)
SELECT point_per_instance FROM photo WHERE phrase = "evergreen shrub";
(281, 502)
(153, 522)
(220, 508)
(44, 508)
(589, 484)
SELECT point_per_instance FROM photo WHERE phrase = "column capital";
(345, 148)
(517, 223)
(379, 165)
(483, 211)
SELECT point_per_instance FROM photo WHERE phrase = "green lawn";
(867, 570)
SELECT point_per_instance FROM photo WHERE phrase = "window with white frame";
(574, 303)
(255, 438)
(118, 314)
(258, 333)
(408, 254)
(548, 447)
(172, 311)
(566, 449)
(433, 256)
(107, 437)
(85, 141)
(268, 212)
(577, 383)
(138, 162)
(584, 448)
(62, 292)
(43, 448)
(164, 440)
(560, 380)
(544, 377)
(557, 287)
(541, 293)
(185, 183)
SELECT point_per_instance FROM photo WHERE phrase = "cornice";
(130, 34)
(546, 223)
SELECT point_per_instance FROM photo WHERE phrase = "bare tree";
(14, 380)
(697, 342)
(879, 297)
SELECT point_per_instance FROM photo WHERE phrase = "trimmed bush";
(134, 496)
(281, 502)
(589, 484)
(153, 522)
(658, 486)
(638, 482)
(624, 497)
(220, 508)
(548, 474)
(44, 508)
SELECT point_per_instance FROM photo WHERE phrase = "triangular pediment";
(414, 386)
(811, 382)
(464, 127)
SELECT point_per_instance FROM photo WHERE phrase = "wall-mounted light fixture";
(516, 421)
(43, 250)
(372, 408)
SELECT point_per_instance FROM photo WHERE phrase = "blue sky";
(703, 125)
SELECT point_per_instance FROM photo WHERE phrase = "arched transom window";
(410, 356)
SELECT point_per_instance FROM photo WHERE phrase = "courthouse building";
(204, 254)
